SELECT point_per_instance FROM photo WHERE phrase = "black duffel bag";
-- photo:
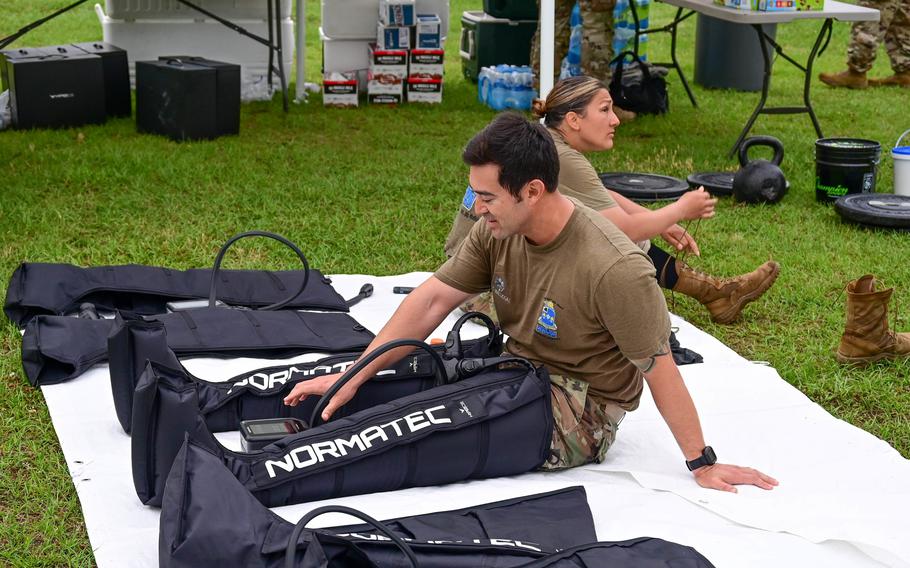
(639, 86)
(59, 289)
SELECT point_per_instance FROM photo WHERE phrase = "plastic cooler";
(147, 39)
(174, 10)
(511, 9)
(488, 41)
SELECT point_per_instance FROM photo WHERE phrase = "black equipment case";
(114, 62)
(54, 87)
(182, 100)
(227, 92)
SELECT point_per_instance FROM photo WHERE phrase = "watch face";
(709, 455)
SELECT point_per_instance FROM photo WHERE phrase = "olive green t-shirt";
(577, 179)
(583, 305)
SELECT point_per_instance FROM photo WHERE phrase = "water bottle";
(484, 85)
(500, 88)
(571, 63)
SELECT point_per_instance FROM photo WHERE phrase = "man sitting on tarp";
(572, 292)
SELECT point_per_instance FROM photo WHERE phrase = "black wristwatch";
(707, 457)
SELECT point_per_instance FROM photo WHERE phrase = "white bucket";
(901, 156)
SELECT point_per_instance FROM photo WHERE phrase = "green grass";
(373, 190)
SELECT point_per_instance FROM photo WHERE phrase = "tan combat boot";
(866, 336)
(896, 80)
(849, 78)
(725, 297)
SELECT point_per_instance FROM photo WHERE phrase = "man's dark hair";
(523, 150)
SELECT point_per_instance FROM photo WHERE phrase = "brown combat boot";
(897, 80)
(866, 336)
(725, 297)
(849, 78)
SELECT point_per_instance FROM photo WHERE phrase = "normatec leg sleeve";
(496, 423)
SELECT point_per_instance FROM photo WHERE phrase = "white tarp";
(842, 500)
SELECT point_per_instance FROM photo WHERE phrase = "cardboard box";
(425, 91)
(398, 12)
(388, 71)
(393, 37)
(426, 63)
(742, 4)
(429, 31)
(386, 99)
(777, 5)
(340, 89)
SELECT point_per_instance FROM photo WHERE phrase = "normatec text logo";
(319, 452)
(268, 381)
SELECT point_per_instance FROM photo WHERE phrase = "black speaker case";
(227, 91)
(50, 88)
(118, 100)
(175, 99)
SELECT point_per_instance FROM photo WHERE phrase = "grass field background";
(373, 190)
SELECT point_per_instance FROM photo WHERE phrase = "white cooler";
(174, 10)
(146, 39)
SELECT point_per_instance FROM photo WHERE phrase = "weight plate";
(644, 187)
(717, 183)
(876, 209)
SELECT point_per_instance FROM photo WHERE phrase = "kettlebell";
(760, 181)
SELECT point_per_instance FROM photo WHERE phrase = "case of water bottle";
(506, 86)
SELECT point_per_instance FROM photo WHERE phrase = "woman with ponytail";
(579, 115)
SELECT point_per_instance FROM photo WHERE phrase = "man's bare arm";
(675, 405)
(419, 314)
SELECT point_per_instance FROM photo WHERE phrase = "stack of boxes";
(402, 60)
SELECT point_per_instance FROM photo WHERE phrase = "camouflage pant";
(596, 40)
(584, 428)
(893, 28)
(482, 303)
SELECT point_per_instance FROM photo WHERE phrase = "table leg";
(766, 82)
(824, 31)
(280, 54)
(271, 36)
(671, 28)
(682, 77)
(301, 51)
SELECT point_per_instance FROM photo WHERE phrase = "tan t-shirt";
(582, 305)
(577, 179)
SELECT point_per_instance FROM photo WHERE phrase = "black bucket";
(844, 166)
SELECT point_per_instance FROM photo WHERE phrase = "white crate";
(172, 9)
(356, 19)
(148, 39)
(342, 55)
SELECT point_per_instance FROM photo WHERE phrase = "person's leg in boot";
(867, 336)
(897, 44)
(725, 298)
(864, 40)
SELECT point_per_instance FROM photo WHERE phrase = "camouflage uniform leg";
(482, 303)
(583, 428)
(865, 36)
(561, 37)
(597, 39)
(897, 38)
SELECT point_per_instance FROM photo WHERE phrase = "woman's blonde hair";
(568, 95)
